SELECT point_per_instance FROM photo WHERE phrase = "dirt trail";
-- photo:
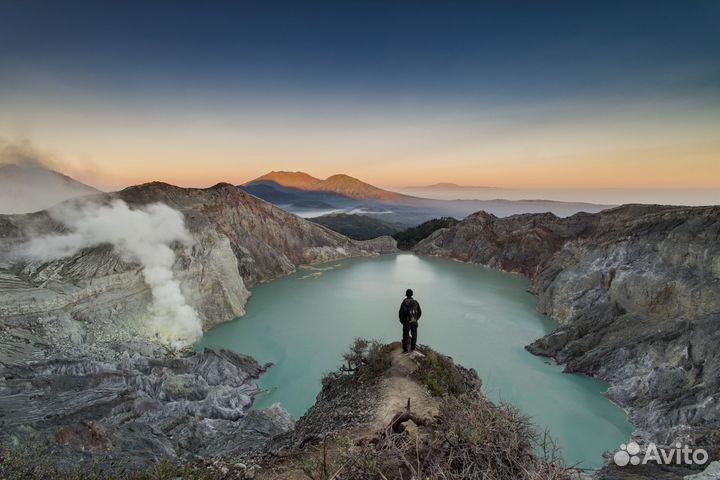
(397, 387)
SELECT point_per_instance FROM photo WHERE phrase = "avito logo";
(680, 455)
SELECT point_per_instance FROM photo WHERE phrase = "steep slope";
(29, 188)
(266, 240)
(637, 292)
(78, 370)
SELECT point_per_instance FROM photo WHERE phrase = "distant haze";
(445, 186)
(29, 188)
(665, 196)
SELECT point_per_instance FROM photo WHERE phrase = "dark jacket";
(406, 308)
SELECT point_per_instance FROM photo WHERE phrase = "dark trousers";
(409, 329)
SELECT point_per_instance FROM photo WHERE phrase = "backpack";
(412, 311)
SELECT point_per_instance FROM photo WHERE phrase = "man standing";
(409, 314)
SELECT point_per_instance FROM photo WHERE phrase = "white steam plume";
(142, 235)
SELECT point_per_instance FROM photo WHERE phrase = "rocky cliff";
(420, 416)
(77, 368)
(636, 290)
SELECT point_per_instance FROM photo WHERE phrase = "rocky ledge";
(389, 415)
(636, 290)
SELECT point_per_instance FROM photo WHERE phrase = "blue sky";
(442, 49)
(136, 77)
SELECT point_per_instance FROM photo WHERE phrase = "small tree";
(357, 355)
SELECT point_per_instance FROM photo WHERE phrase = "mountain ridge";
(338, 183)
(346, 194)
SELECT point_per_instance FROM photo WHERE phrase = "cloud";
(144, 235)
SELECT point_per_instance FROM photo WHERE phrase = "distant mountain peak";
(338, 183)
(300, 180)
(288, 174)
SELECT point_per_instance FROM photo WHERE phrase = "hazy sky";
(516, 94)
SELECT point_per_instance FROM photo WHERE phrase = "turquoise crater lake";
(483, 318)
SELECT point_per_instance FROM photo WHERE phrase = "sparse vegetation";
(471, 438)
(407, 239)
(367, 357)
(479, 439)
(439, 374)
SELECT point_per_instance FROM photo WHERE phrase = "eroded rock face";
(96, 296)
(267, 240)
(180, 406)
(77, 367)
(636, 290)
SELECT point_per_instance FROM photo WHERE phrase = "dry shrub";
(479, 439)
(472, 439)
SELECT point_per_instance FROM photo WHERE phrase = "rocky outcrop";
(177, 407)
(636, 290)
(77, 368)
